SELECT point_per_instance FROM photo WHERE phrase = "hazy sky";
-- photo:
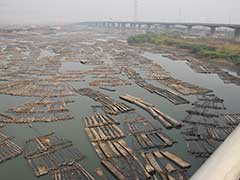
(60, 11)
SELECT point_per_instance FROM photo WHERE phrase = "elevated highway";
(167, 25)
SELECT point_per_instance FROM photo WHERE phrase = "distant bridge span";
(139, 24)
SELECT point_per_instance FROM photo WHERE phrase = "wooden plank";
(114, 150)
(180, 162)
(105, 150)
(169, 167)
(98, 150)
(122, 151)
(118, 174)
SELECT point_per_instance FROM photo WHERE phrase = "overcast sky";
(61, 11)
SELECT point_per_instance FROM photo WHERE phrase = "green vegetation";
(201, 47)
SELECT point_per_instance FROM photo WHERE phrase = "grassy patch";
(201, 47)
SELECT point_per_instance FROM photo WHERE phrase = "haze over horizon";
(67, 11)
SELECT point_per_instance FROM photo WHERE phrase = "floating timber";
(99, 120)
(156, 72)
(110, 82)
(173, 157)
(8, 149)
(163, 166)
(47, 152)
(232, 119)
(118, 174)
(46, 109)
(207, 125)
(165, 120)
(109, 105)
(146, 134)
(167, 94)
(71, 172)
(115, 155)
(38, 88)
(107, 89)
(67, 77)
(45, 104)
(184, 87)
(104, 133)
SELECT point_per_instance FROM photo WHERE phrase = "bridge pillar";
(189, 29)
(124, 25)
(106, 25)
(156, 27)
(212, 30)
(236, 34)
(167, 26)
(149, 26)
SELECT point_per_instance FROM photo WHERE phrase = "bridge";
(167, 25)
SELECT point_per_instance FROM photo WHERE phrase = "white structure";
(224, 164)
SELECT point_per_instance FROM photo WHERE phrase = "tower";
(135, 10)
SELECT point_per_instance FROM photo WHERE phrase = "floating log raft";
(115, 155)
(200, 148)
(49, 151)
(162, 165)
(169, 95)
(104, 71)
(207, 125)
(46, 109)
(232, 119)
(8, 149)
(99, 120)
(119, 159)
(184, 87)
(101, 127)
(147, 135)
(110, 82)
(36, 88)
(109, 105)
(166, 121)
(67, 77)
(156, 72)
(44, 104)
(153, 139)
(104, 133)
(35, 117)
(70, 172)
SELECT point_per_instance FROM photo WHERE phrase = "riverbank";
(214, 50)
